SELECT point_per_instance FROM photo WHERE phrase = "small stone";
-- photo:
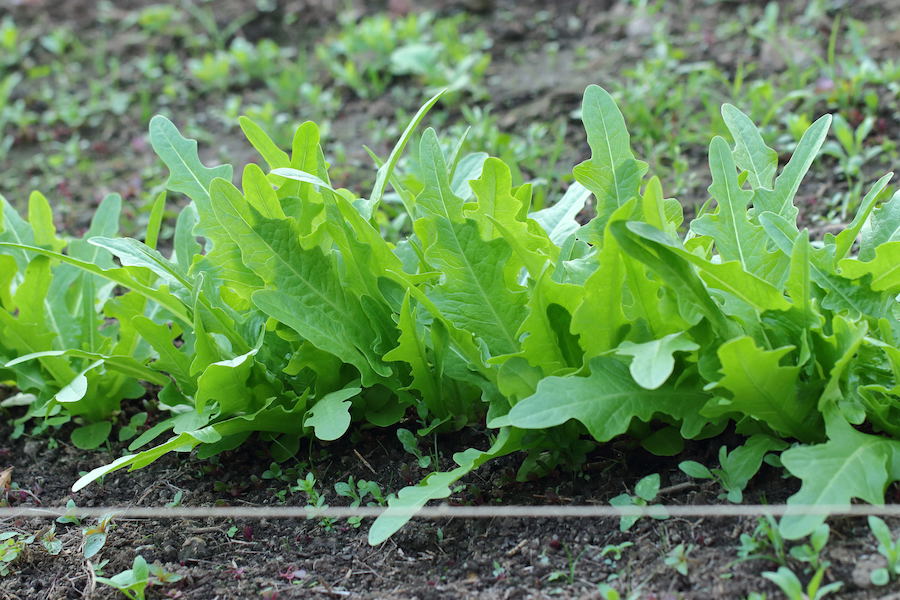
(32, 447)
(862, 571)
(193, 547)
(169, 553)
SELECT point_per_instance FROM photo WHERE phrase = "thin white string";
(446, 511)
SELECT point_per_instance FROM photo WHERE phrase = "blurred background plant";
(78, 87)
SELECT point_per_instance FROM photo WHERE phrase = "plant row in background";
(68, 98)
(284, 312)
(40, 90)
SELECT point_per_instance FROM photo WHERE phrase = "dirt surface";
(497, 558)
(502, 558)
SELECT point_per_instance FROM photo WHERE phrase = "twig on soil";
(685, 485)
(146, 493)
(364, 461)
(368, 570)
(196, 530)
(200, 560)
(329, 592)
(239, 542)
(517, 548)
(552, 498)
(384, 556)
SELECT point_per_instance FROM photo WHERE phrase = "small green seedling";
(357, 492)
(134, 581)
(736, 467)
(889, 548)
(134, 424)
(408, 440)
(765, 543)
(852, 154)
(314, 499)
(645, 491)
(607, 592)
(790, 584)
(569, 573)
(273, 472)
(69, 519)
(677, 558)
(12, 544)
(99, 567)
(49, 541)
(176, 499)
(95, 537)
(614, 551)
(811, 553)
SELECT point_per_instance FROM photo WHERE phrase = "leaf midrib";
(510, 337)
(166, 134)
(609, 151)
(838, 475)
(732, 209)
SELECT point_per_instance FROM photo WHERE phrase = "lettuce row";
(296, 318)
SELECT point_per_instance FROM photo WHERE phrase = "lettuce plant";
(59, 342)
(296, 318)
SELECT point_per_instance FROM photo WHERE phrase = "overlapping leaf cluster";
(295, 318)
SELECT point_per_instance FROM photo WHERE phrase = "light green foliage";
(55, 343)
(736, 237)
(330, 417)
(811, 553)
(766, 542)
(850, 465)
(605, 402)
(612, 174)
(645, 492)
(889, 548)
(679, 558)
(779, 197)
(367, 55)
(314, 498)
(94, 538)
(653, 362)
(607, 592)
(793, 589)
(359, 492)
(298, 319)
(408, 441)
(761, 388)
(133, 582)
(852, 155)
(736, 467)
(12, 544)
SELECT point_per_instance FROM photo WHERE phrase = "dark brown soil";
(498, 558)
